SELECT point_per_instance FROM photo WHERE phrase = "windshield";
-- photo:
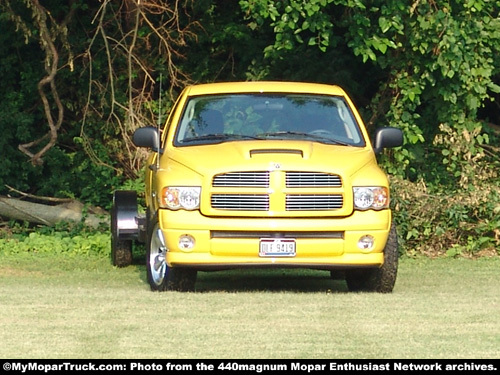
(223, 118)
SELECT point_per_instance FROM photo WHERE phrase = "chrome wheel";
(161, 277)
(157, 264)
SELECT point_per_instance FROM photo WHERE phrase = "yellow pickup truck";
(261, 174)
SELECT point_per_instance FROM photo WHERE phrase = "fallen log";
(51, 215)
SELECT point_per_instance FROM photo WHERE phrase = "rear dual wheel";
(121, 250)
(161, 277)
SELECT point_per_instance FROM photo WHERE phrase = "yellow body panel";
(324, 239)
(214, 250)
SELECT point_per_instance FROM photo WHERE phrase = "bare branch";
(47, 38)
(161, 36)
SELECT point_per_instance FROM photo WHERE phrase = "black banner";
(248, 366)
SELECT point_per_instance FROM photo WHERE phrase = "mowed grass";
(82, 307)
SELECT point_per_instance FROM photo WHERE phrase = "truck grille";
(242, 179)
(312, 179)
(241, 202)
(234, 199)
(314, 202)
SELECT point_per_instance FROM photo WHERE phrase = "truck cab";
(261, 174)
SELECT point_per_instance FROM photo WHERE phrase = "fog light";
(366, 242)
(186, 242)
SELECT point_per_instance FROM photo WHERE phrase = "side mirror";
(386, 138)
(147, 137)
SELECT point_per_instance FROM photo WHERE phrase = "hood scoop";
(276, 151)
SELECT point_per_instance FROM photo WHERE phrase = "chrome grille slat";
(312, 179)
(240, 202)
(231, 200)
(314, 202)
(259, 179)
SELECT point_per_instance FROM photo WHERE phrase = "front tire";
(381, 279)
(161, 277)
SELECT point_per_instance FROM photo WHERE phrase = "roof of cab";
(263, 87)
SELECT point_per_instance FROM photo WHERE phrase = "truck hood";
(209, 160)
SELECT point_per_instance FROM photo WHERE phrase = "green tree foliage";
(435, 61)
(433, 71)
(431, 68)
(109, 57)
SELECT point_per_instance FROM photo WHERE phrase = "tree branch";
(47, 39)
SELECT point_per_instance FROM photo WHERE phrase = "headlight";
(366, 198)
(180, 197)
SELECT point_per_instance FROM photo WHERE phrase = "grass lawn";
(82, 307)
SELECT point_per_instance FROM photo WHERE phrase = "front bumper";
(323, 243)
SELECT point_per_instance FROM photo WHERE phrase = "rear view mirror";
(386, 138)
(147, 137)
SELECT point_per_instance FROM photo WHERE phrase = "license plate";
(277, 247)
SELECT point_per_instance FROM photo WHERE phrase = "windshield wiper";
(219, 138)
(315, 137)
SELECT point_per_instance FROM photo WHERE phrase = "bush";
(446, 221)
(57, 242)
